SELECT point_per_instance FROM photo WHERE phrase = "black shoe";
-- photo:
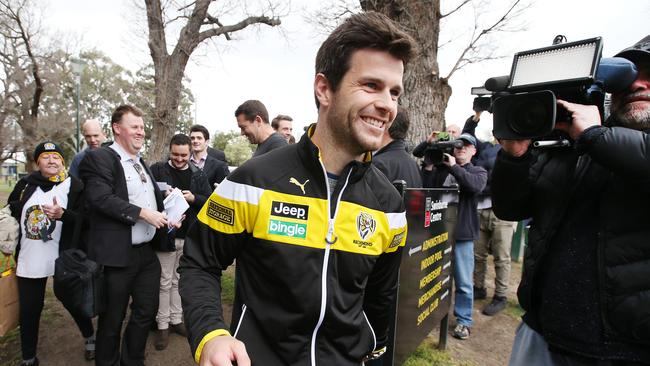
(161, 339)
(480, 293)
(178, 329)
(498, 303)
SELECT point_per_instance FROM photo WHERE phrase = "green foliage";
(228, 285)
(514, 309)
(221, 139)
(427, 354)
(238, 151)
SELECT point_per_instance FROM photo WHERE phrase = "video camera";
(435, 151)
(523, 103)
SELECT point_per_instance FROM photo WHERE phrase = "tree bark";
(426, 92)
(169, 68)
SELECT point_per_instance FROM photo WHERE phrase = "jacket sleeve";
(511, 186)
(14, 198)
(99, 178)
(211, 245)
(622, 150)
(471, 181)
(381, 288)
(202, 190)
(419, 150)
(470, 126)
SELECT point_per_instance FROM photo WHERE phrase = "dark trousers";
(140, 282)
(31, 293)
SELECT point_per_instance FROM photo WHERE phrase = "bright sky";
(276, 65)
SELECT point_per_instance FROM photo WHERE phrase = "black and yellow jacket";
(316, 273)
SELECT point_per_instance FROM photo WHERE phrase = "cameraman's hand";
(582, 117)
(433, 136)
(515, 148)
(449, 160)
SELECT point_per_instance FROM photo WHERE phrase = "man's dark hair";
(180, 139)
(364, 30)
(202, 129)
(124, 109)
(275, 123)
(252, 109)
(400, 126)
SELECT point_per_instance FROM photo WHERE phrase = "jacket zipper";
(329, 240)
(241, 318)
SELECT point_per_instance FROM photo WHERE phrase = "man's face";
(631, 107)
(50, 164)
(250, 129)
(285, 129)
(454, 131)
(199, 143)
(179, 155)
(464, 154)
(365, 103)
(129, 133)
(93, 135)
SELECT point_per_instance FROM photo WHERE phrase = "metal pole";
(78, 83)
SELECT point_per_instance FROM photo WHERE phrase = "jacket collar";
(310, 155)
(397, 144)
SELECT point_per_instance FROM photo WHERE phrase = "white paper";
(175, 206)
(163, 186)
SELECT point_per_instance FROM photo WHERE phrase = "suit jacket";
(217, 154)
(215, 170)
(109, 212)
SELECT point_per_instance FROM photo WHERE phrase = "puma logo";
(302, 186)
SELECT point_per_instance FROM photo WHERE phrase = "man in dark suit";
(125, 222)
(216, 170)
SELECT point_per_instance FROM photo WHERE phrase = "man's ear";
(322, 90)
(258, 119)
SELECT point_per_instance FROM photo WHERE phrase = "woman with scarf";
(46, 203)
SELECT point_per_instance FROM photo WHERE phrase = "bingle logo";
(293, 211)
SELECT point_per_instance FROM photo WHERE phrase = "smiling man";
(253, 122)
(317, 231)
(125, 226)
(179, 173)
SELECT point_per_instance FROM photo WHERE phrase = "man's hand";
(448, 160)
(155, 218)
(515, 148)
(433, 136)
(582, 117)
(189, 197)
(222, 350)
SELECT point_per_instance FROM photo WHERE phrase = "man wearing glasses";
(126, 225)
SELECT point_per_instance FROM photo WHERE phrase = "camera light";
(570, 63)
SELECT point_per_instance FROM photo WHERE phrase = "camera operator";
(458, 169)
(495, 235)
(586, 279)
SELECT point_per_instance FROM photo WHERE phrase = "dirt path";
(60, 343)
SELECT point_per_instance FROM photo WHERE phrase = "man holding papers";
(184, 181)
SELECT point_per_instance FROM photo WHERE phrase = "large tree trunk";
(426, 92)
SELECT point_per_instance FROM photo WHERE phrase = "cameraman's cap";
(638, 50)
(47, 147)
(467, 138)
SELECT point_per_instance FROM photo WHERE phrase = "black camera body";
(435, 151)
(524, 103)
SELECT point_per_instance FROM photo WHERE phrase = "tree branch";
(214, 32)
(455, 10)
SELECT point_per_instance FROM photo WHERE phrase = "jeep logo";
(283, 209)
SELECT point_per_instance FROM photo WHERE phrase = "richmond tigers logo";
(366, 225)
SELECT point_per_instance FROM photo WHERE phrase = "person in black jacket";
(316, 230)
(47, 205)
(205, 158)
(177, 172)
(125, 226)
(586, 280)
(392, 158)
(495, 235)
(458, 169)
